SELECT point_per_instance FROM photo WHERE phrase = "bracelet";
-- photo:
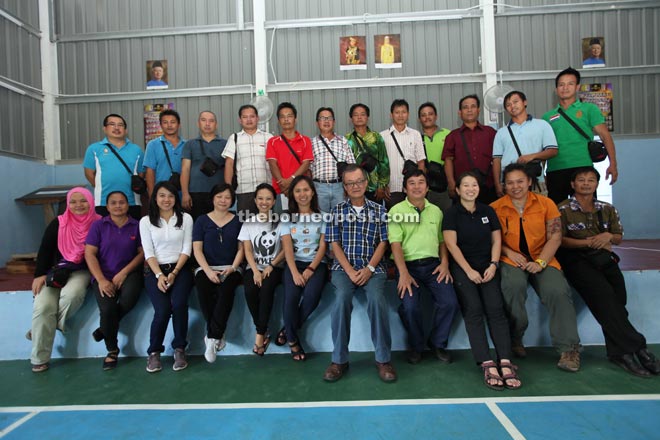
(310, 268)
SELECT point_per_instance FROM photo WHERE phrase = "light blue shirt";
(154, 157)
(533, 136)
(305, 235)
(111, 175)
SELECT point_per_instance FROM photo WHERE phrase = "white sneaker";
(210, 352)
(220, 344)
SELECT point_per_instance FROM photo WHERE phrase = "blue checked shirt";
(358, 235)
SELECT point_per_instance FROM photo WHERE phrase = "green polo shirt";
(573, 150)
(435, 144)
(419, 239)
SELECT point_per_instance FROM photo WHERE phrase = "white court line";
(636, 248)
(17, 423)
(335, 404)
(505, 421)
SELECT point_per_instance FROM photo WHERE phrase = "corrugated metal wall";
(96, 57)
(21, 125)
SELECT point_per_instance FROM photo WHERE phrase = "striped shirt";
(410, 142)
(324, 166)
(251, 166)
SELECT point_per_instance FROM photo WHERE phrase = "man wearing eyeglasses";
(358, 236)
(105, 171)
(331, 152)
(420, 255)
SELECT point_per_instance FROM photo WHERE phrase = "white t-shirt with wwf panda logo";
(265, 240)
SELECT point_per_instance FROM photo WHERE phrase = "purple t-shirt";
(116, 246)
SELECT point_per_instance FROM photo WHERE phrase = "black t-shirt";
(473, 231)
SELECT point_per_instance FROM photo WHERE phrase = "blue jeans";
(445, 306)
(296, 311)
(376, 309)
(330, 194)
(174, 303)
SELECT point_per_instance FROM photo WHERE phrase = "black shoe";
(440, 353)
(630, 364)
(98, 335)
(414, 357)
(648, 361)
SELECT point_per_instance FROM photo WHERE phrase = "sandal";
(40, 368)
(281, 338)
(510, 377)
(299, 354)
(489, 376)
(112, 363)
(260, 350)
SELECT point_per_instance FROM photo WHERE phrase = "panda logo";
(265, 243)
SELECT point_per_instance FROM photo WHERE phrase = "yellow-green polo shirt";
(419, 239)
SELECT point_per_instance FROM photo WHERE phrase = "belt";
(424, 261)
(327, 181)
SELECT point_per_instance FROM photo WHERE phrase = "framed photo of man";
(157, 76)
(388, 51)
(353, 53)
(593, 52)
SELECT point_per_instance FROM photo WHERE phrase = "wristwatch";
(496, 263)
(159, 274)
(371, 268)
(541, 263)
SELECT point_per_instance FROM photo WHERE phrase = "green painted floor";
(276, 378)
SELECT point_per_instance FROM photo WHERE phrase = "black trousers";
(260, 299)
(113, 309)
(477, 301)
(216, 301)
(604, 291)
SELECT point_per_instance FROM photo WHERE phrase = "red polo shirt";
(480, 145)
(277, 149)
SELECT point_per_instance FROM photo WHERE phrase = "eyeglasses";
(220, 235)
(115, 124)
(355, 184)
(325, 118)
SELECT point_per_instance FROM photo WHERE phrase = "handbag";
(341, 166)
(208, 167)
(481, 176)
(59, 274)
(534, 167)
(175, 178)
(435, 173)
(597, 150)
(408, 165)
(366, 160)
(138, 184)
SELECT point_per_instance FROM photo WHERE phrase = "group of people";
(453, 211)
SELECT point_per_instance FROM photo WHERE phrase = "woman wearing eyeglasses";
(219, 254)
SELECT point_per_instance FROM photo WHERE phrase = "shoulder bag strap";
(328, 148)
(201, 145)
(359, 141)
(397, 146)
(467, 152)
(513, 138)
(291, 149)
(601, 222)
(120, 159)
(167, 155)
(577, 127)
(235, 151)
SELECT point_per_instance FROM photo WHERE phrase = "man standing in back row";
(573, 151)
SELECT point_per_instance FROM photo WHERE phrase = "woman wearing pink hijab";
(61, 277)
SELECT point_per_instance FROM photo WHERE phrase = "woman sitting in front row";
(473, 236)
(113, 252)
(55, 300)
(167, 241)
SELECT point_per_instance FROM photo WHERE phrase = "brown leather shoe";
(386, 372)
(335, 372)
(519, 351)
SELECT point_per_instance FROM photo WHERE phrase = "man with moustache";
(434, 142)
(163, 155)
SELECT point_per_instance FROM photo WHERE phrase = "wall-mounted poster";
(353, 53)
(593, 52)
(157, 77)
(152, 127)
(601, 95)
(388, 51)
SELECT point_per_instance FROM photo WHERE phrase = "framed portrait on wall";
(157, 75)
(353, 53)
(388, 51)
(593, 52)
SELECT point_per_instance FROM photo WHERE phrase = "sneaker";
(211, 349)
(220, 344)
(180, 361)
(153, 362)
(569, 361)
